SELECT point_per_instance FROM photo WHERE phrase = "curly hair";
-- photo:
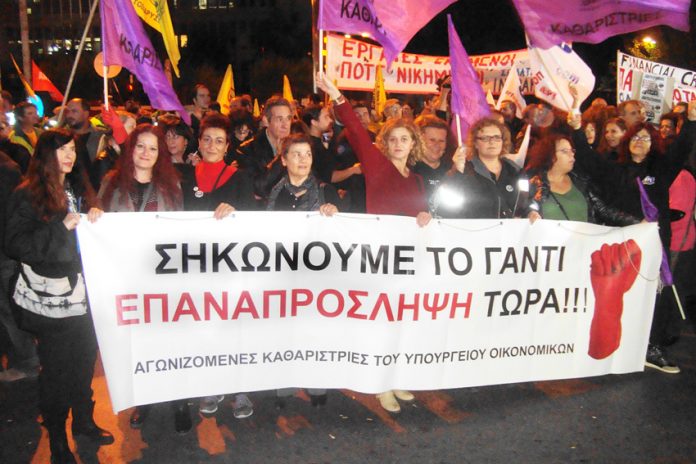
(543, 153)
(43, 176)
(418, 147)
(624, 144)
(165, 177)
(472, 151)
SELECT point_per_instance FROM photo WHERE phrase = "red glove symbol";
(613, 271)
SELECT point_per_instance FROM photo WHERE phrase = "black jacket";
(255, 156)
(10, 176)
(237, 191)
(478, 194)
(47, 246)
(598, 212)
(18, 153)
(618, 180)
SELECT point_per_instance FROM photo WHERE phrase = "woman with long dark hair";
(614, 130)
(145, 179)
(42, 215)
(639, 160)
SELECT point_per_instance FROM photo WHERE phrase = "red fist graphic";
(613, 271)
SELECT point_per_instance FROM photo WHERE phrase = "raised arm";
(590, 163)
(357, 135)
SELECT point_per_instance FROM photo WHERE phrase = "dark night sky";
(488, 26)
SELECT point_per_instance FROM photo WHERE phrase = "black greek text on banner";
(187, 306)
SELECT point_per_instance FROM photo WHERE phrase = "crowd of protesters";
(337, 156)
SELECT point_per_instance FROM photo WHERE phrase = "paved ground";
(637, 418)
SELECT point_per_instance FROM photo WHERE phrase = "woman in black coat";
(482, 183)
(214, 184)
(640, 161)
(42, 215)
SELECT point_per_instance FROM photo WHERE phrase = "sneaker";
(388, 401)
(12, 375)
(404, 395)
(243, 407)
(656, 359)
(209, 404)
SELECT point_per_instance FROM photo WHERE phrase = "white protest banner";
(352, 64)
(668, 84)
(187, 306)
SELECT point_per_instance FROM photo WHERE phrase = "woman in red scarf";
(213, 184)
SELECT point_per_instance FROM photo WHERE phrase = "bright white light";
(523, 185)
(448, 197)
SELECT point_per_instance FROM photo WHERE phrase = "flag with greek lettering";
(125, 43)
(550, 23)
(391, 23)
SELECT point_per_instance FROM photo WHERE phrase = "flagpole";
(459, 129)
(679, 305)
(321, 56)
(105, 70)
(77, 59)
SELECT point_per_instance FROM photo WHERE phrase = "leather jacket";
(598, 212)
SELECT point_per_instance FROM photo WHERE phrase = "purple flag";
(468, 99)
(550, 23)
(392, 23)
(125, 43)
(650, 213)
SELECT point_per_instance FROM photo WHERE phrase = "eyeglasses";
(640, 138)
(299, 155)
(490, 138)
(566, 151)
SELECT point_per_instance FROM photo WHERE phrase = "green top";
(573, 203)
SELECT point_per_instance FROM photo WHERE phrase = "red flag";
(42, 82)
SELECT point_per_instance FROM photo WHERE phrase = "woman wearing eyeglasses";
(561, 194)
(640, 161)
(482, 182)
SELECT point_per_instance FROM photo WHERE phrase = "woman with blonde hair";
(391, 185)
